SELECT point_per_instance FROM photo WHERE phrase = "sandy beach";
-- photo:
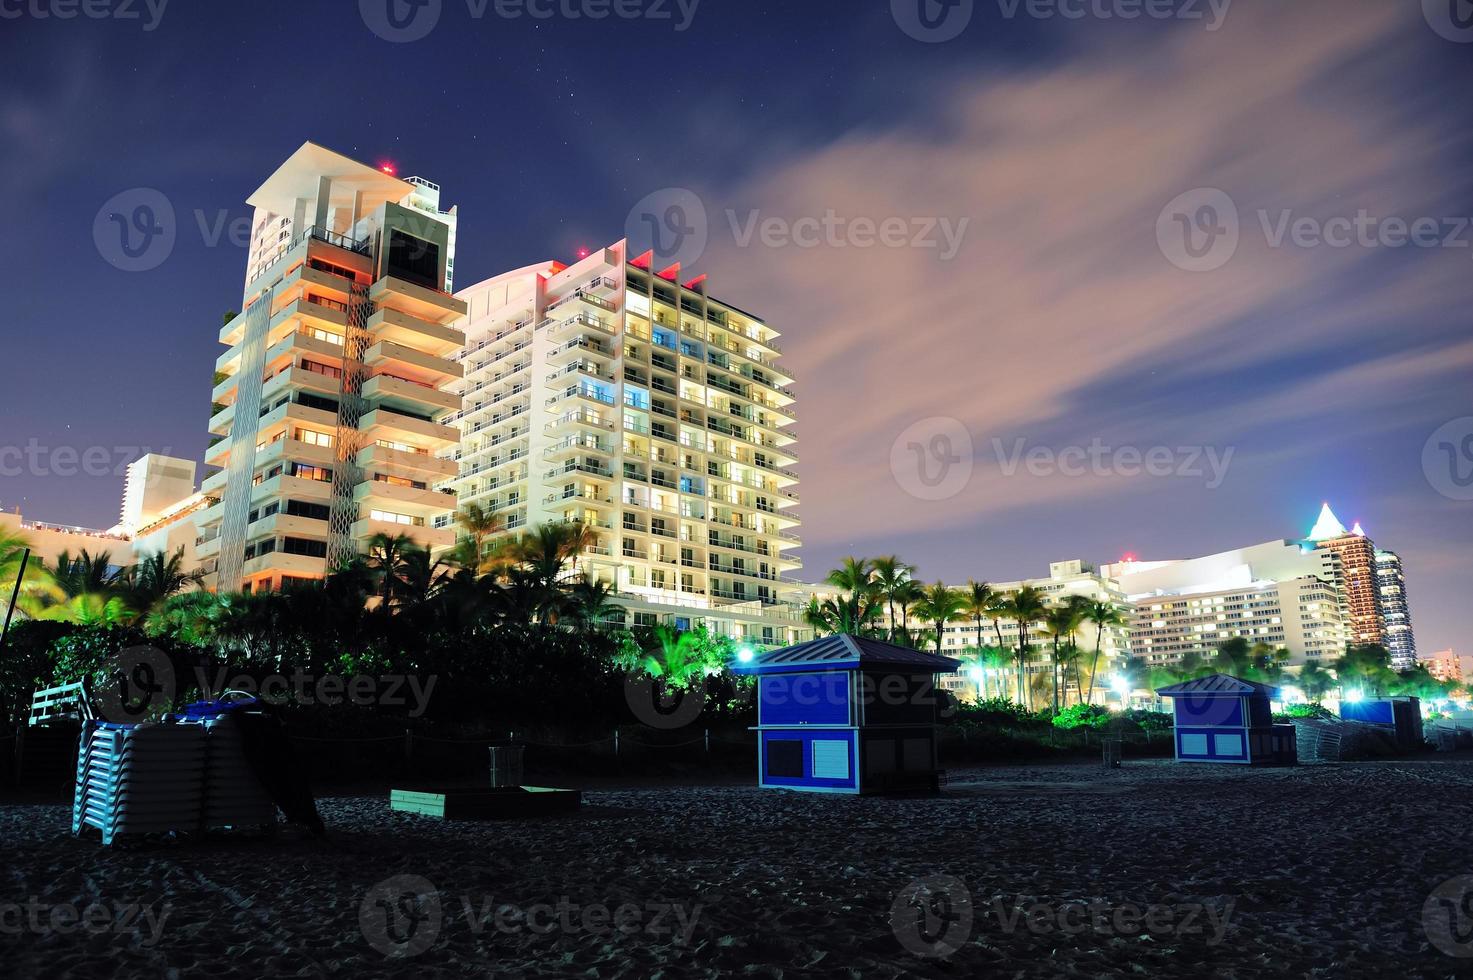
(1053, 871)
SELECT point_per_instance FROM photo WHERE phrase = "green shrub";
(1083, 716)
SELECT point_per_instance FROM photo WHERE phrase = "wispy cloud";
(1061, 296)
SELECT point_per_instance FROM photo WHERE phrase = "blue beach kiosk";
(847, 714)
(1226, 719)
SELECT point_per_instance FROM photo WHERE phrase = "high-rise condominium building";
(331, 403)
(613, 394)
(1373, 586)
(1281, 593)
(1357, 580)
(1391, 585)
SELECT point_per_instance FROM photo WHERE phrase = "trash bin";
(1111, 753)
(506, 766)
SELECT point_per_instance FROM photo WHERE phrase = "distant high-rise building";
(1392, 586)
(330, 404)
(1373, 588)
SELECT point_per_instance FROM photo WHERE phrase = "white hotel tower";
(611, 393)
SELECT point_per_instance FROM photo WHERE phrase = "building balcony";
(394, 293)
(390, 392)
(281, 563)
(581, 420)
(406, 362)
(434, 538)
(399, 327)
(583, 347)
(421, 466)
(390, 426)
(413, 501)
(221, 421)
(575, 467)
(564, 328)
(575, 446)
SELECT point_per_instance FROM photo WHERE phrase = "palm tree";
(36, 586)
(1315, 681)
(978, 601)
(853, 576)
(479, 524)
(890, 577)
(157, 577)
(1024, 607)
(591, 603)
(940, 605)
(86, 573)
(421, 577)
(854, 614)
(1059, 623)
(1104, 615)
(388, 562)
(906, 595)
(548, 549)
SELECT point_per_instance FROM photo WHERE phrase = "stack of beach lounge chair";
(139, 779)
(233, 796)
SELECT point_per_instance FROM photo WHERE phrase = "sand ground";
(1054, 871)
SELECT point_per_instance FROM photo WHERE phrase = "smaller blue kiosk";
(1226, 719)
(847, 714)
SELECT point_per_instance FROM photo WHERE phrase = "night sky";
(1068, 326)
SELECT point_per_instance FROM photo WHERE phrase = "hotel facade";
(1281, 593)
(612, 394)
(331, 401)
